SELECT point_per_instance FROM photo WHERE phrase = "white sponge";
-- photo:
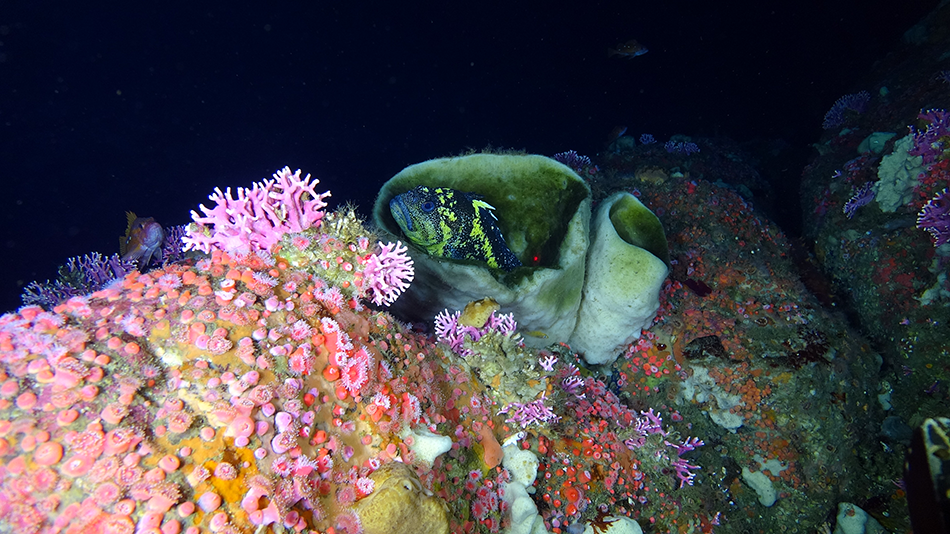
(522, 464)
(622, 289)
(617, 525)
(762, 485)
(427, 446)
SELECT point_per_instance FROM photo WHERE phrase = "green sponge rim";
(639, 226)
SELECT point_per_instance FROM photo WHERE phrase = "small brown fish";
(142, 241)
(630, 49)
(616, 133)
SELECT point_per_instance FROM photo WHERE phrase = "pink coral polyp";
(355, 372)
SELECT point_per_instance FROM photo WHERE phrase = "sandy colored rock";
(652, 175)
(476, 313)
(399, 504)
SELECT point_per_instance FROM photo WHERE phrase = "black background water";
(114, 106)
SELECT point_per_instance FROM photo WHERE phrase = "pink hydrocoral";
(259, 216)
(388, 273)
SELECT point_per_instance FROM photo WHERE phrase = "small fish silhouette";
(616, 133)
(142, 241)
(630, 49)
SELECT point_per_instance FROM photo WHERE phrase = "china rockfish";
(452, 224)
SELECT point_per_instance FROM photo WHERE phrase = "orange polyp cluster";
(176, 314)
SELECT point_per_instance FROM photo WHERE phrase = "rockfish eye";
(428, 206)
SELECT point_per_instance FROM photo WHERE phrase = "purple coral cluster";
(935, 218)
(547, 361)
(573, 160)
(591, 397)
(530, 413)
(680, 147)
(857, 102)
(173, 246)
(682, 466)
(449, 331)
(647, 139)
(650, 422)
(259, 216)
(80, 276)
(932, 143)
(388, 273)
(859, 197)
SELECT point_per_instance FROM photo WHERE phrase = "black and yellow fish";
(452, 224)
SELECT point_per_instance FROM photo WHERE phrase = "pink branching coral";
(259, 216)
(388, 273)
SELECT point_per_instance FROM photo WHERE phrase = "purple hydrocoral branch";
(172, 246)
(931, 143)
(935, 218)
(605, 404)
(526, 414)
(650, 422)
(859, 197)
(80, 276)
(689, 445)
(504, 324)
(259, 216)
(449, 331)
(48, 294)
(574, 385)
(573, 160)
(388, 273)
(97, 270)
(857, 102)
(548, 361)
(571, 381)
(678, 147)
(682, 468)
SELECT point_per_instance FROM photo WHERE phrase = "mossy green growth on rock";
(341, 236)
(897, 176)
(543, 211)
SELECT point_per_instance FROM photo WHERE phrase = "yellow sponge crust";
(400, 505)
